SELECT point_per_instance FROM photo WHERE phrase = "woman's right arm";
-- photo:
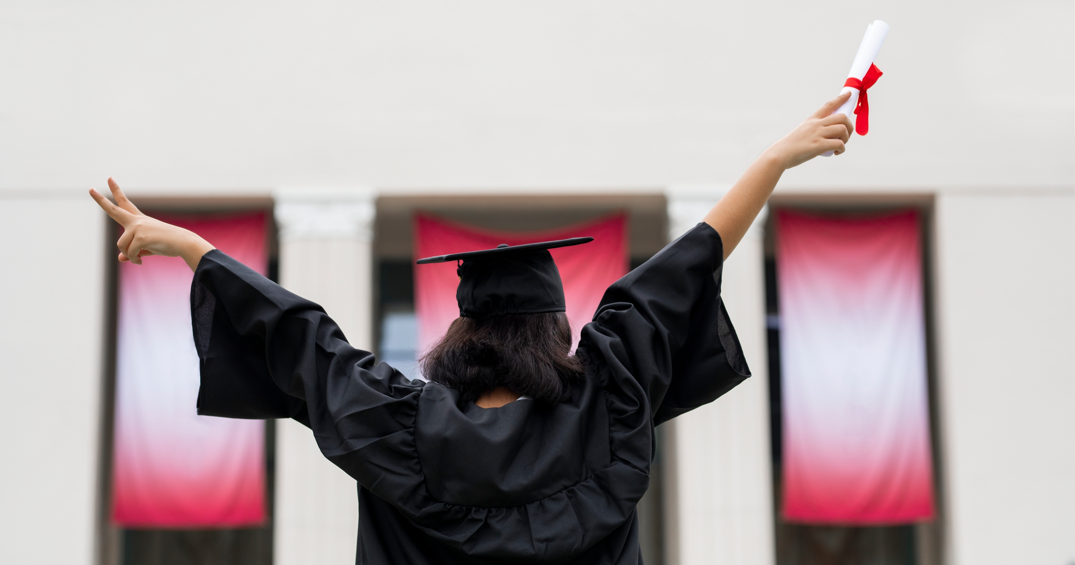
(265, 352)
(144, 236)
(821, 132)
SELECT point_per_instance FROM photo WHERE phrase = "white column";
(326, 239)
(1004, 274)
(51, 342)
(719, 506)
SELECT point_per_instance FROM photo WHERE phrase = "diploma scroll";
(867, 53)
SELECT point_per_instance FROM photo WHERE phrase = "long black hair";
(528, 354)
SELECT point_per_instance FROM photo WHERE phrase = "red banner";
(172, 468)
(853, 362)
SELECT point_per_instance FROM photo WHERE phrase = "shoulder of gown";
(663, 329)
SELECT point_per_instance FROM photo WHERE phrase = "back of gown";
(441, 481)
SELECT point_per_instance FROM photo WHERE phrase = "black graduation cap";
(510, 279)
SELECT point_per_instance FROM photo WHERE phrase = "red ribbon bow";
(862, 110)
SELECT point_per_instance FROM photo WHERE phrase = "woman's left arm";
(821, 132)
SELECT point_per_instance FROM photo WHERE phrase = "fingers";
(835, 145)
(143, 253)
(121, 199)
(832, 105)
(837, 131)
(135, 251)
(839, 119)
(115, 212)
(124, 243)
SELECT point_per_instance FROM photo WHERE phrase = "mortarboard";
(510, 279)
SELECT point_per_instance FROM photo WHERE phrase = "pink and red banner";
(171, 467)
(853, 359)
(586, 270)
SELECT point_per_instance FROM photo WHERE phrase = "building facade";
(344, 119)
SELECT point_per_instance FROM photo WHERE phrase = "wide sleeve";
(267, 353)
(664, 326)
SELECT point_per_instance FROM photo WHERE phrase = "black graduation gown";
(445, 482)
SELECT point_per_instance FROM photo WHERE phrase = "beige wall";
(51, 344)
(1005, 281)
(252, 96)
(215, 99)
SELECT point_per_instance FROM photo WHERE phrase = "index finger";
(121, 199)
(832, 105)
(115, 212)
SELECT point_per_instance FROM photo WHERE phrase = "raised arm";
(144, 236)
(821, 132)
(264, 352)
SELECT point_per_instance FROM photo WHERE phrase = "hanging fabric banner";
(172, 468)
(853, 359)
(586, 270)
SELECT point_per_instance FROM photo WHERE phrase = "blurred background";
(314, 133)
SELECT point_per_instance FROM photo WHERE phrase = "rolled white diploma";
(867, 54)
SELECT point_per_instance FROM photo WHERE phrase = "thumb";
(831, 106)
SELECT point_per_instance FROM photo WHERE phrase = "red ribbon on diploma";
(862, 110)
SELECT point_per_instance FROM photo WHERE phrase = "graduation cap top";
(510, 279)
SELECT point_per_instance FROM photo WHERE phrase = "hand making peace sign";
(144, 236)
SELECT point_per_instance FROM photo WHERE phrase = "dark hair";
(528, 354)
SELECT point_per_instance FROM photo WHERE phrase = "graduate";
(514, 451)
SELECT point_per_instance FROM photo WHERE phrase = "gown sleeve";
(267, 353)
(665, 325)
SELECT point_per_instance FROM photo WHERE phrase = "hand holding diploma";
(825, 130)
(826, 133)
(862, 76)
